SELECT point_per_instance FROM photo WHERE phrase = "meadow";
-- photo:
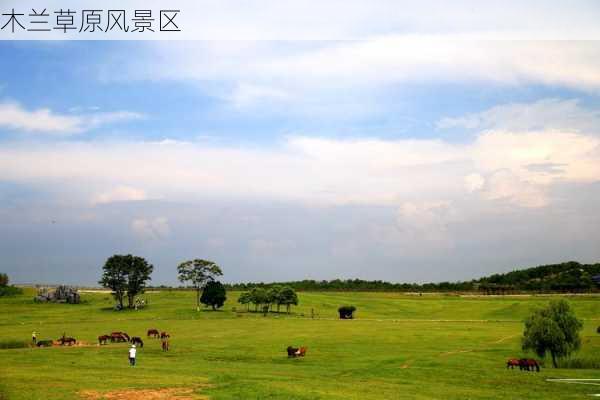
(398, 347)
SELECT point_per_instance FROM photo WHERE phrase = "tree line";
(266, 299)
(564, 277)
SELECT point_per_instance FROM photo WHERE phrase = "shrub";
(13, 344)
(346, 312)
(579, 363)
(6, 291)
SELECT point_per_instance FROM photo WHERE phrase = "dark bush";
(10, 291)
(12, 344)
(346, 312)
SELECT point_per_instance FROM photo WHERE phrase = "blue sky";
(401, 157)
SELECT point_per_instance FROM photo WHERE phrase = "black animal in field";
(137, 340)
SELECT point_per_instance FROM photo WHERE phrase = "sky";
(406, 157)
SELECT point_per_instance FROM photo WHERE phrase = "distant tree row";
(266, 299)
(564, 277)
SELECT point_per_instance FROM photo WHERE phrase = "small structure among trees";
(346, 312)
(62, 294)
(553, 329)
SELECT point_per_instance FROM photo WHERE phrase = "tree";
(288, 297)
(273, 296)
(198, 272)
(3, 279)
(213, 295)
(245, 298)
(126, 275)
(554, 329)
(258, 296)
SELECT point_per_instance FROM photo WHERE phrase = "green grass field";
(398, 347)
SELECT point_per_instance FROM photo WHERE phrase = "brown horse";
(165, 343)
(512, 363)
(119, 337)
(164, 335)
(137, 340)
(67, 340)
(529, 364)
(153, 333)
(296, 352)
(291, 351)
(103, 339)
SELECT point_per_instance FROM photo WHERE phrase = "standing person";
(34, 337)
(132, 352)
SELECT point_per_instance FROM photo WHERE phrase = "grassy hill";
(399, 347)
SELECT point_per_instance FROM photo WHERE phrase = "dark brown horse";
(296, 352)
(137, 340)
(44, 343)
(512, 363)
(291, 351)
(103, 339)
(529, 364)
(165, 343)
(153, 333)
(164, 335)
(67, 340)
(119, 337)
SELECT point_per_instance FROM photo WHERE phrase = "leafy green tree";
(3, 280)
(198, 272)
(258, 296)
(287, 297)
(126, 275)
(213, 295)
(554, 329)
(273, 296)
(245, 299)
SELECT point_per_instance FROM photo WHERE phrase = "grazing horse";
(153, 333)
(44, 343)
(296, 352)
(103, 339)
(67, 340)
(165, 343)
(301, 352)
(512, 363)
(291, 351)
(137, 340)
(119, 337)
(529, 364)
(164, 335)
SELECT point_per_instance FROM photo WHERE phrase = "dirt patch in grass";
(143, 394)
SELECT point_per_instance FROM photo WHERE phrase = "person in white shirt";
(132, 352)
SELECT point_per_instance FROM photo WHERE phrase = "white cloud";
(151, 229)
(555, 114)
(246, 95)
(518, 168)
(339, 73)
(474, 182)
(13, 116)
(119, 193)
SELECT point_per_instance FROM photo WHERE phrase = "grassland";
(399, 347)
